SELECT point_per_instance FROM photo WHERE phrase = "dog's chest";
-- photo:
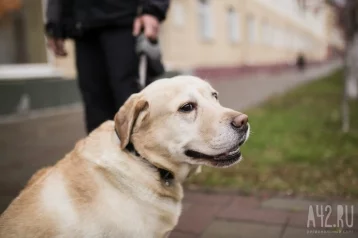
(133, 216)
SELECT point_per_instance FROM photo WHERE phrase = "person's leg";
(122, 63)
(93, 82)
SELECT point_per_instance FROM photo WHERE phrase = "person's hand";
(57, 46)
(149, 23)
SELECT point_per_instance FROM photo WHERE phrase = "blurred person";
(301, 62)
(104, 32)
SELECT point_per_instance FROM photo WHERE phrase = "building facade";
(215, 33)
(197, 34)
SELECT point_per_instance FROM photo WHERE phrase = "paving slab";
(208, 199)
(291, 232)
(246, 209)
(196, 219)
(228, 229)
(260, 215)
(290, 204)
(177, 234)
(244, 202)
(28, 145)
(186, 206)
(299, 219)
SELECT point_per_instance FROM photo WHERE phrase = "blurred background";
(304, 119)
(218, 35)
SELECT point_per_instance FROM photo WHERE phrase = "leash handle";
(143, 64)
(147, 50)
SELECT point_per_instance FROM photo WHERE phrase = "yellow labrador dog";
(125, 179)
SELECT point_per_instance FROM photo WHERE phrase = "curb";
(20, 97)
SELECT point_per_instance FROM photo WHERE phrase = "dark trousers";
(107, 67)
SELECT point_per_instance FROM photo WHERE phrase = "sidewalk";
(31, 142)
(240, 93)
(233, 216)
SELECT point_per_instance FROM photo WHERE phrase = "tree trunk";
(350, 25)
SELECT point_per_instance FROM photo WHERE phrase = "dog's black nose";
(240, 121)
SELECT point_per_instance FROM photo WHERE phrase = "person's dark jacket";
(70, 18)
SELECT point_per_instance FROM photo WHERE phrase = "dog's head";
(180, 120)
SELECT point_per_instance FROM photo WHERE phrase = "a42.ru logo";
(324, 216)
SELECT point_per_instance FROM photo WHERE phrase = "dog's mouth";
(221, 160)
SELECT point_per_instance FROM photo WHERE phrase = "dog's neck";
(166, 176)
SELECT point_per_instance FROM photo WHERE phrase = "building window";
(276, 37)
(205, 20)
(297, 43)
(266, 33)
(233, 25)
(288, 39)
(279, 37)
(251, 29)
(178, 14)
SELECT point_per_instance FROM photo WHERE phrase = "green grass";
(296, 146)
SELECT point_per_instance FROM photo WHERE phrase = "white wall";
(315, 23)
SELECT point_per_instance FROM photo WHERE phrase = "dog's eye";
(215, 95)
(187, 107)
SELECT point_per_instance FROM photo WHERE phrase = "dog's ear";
(126, 117)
